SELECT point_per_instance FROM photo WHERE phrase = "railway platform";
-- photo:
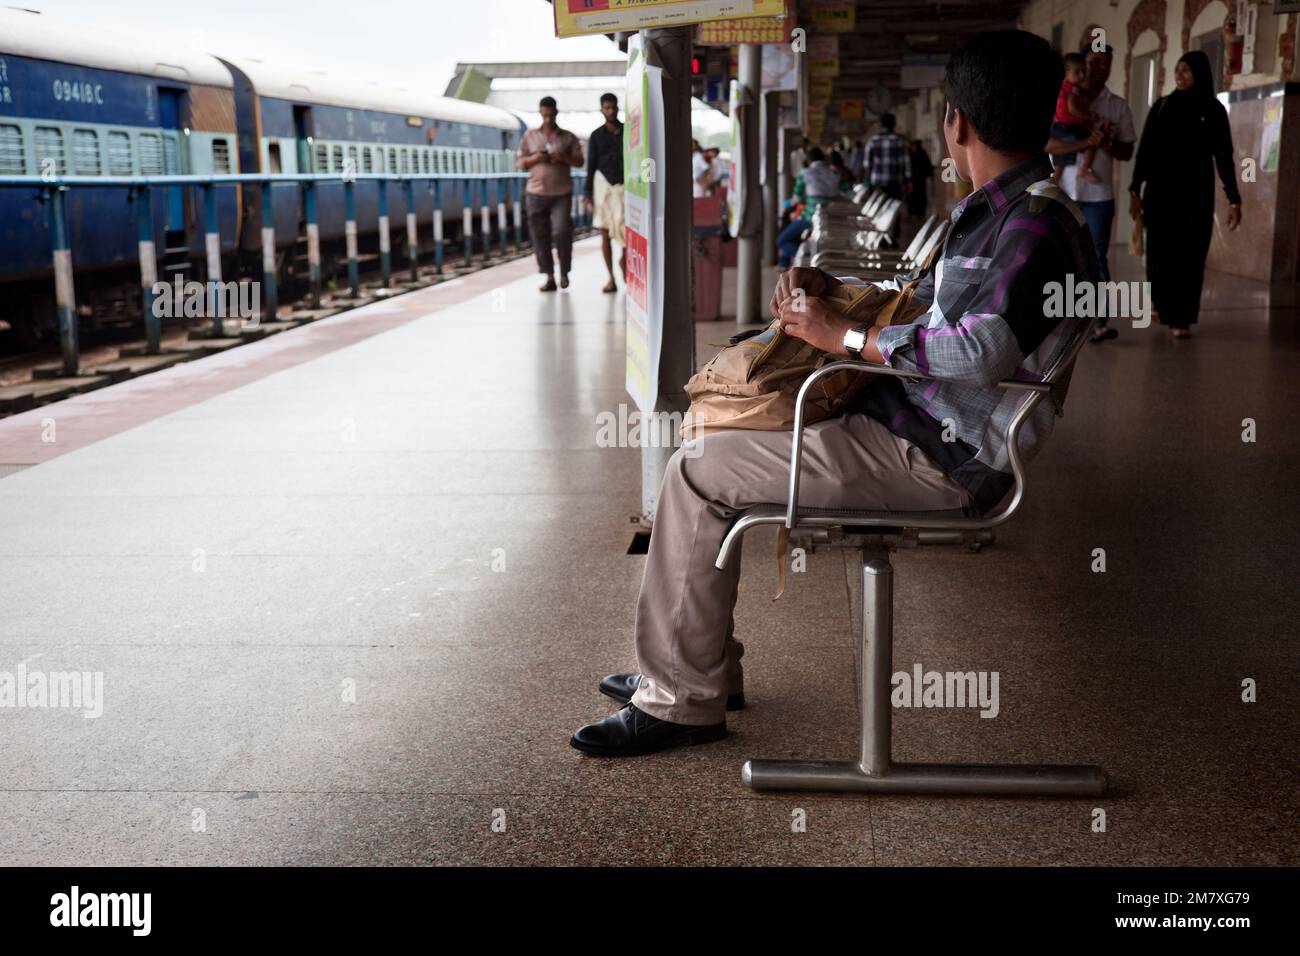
(349, 589)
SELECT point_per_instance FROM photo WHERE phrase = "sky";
(415, 43)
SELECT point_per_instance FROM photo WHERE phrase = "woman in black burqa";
(1186, 137)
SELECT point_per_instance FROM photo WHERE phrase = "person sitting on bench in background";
(904, 445)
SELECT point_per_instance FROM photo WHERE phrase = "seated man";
(905, 445)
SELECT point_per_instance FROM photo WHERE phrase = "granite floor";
(351, 589)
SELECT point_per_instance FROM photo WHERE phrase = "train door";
(303, 134)
(169, 118)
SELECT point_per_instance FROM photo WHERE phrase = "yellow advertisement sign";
(851, 109)
(819, 88)
(824, 56)
(833, 16)
(749, 30)
(580, 17)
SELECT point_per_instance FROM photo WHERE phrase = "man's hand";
(1134, 205)
(813, 282)
(816, 323)
(586, 204)
(1234, 217)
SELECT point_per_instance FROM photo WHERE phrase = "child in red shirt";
(1074, 119)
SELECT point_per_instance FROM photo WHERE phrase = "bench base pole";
(875, 771)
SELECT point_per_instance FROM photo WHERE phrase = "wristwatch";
(855, 340)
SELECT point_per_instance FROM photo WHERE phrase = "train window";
(392, 159)
(12, 162)
(119, 154)
(273, 163)
(367, 159)
(49, 149)
(85, 152)
(322, 158)
(149, 146)
(220, 156)
(426, 156)
(337, 158)
(406, 159)
(353, 165)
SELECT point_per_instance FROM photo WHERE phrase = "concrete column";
(747, 254)
(771, 181)
(670, 48)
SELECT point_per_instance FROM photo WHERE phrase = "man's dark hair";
(608, 98)
(888, 121)
(815, 154)
(548, 101)
(1007, 83)
(1074, 59)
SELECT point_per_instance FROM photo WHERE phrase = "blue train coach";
(78, 102)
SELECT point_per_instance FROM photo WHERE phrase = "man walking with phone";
(549, 153)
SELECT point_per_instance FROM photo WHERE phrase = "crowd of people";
(887, 161)
(1185, 140)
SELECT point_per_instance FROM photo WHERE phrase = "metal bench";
(873, 535)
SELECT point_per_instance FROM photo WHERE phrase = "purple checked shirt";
(987, 321)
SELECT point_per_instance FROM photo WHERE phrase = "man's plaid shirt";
(888, 160)
(987, 321)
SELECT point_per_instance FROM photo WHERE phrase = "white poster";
(735, 185)
(643, 209)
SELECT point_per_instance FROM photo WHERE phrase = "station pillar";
(771, 178)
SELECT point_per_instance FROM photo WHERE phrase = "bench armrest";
(1034, 394)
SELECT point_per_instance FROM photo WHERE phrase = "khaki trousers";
(688, 655)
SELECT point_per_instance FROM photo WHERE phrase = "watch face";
(854, 339)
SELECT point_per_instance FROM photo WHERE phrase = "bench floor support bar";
(875, 772)
(969, 779)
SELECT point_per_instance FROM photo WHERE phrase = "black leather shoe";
(622, 686)
(631, 732)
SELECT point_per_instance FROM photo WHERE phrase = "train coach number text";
(79, 92)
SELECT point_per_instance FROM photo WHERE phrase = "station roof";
(565, 68)
(885, 30)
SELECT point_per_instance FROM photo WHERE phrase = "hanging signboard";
(643, 213)
(749, 30)
(922, 71)
(580, 17)
(824, 56)
(833, 16)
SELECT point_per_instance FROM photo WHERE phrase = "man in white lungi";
(605, 186)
